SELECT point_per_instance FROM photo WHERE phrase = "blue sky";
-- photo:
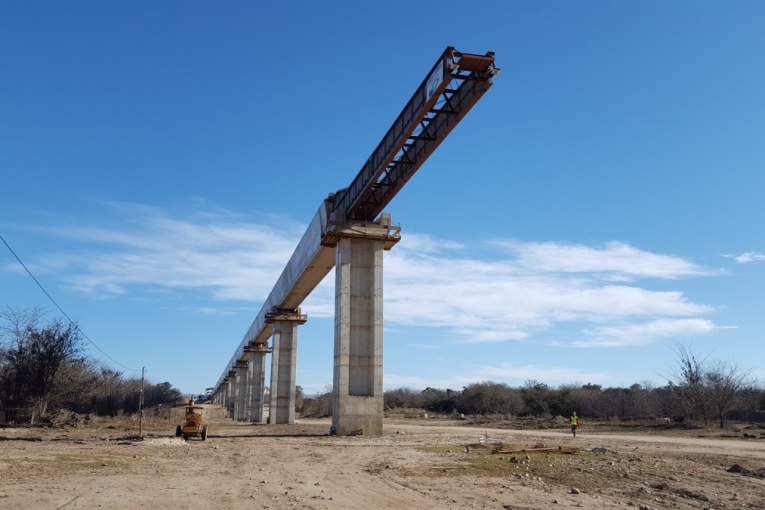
(602, 202)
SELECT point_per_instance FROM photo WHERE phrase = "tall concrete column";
(241, 391)
(284, 364)
(247, 392)
(257, 379)
(357, 390)
(235, 395)
(274, 379)
(230, 394)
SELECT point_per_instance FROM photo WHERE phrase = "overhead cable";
(77, 327)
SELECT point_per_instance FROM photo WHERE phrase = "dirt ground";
(418, 463)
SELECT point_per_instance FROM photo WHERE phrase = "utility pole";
(140, 405)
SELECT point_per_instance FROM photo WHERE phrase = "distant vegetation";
(42, 372)
(702, 391)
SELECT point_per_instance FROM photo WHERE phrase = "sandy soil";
(416, 464)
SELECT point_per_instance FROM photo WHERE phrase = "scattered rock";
(756, 473)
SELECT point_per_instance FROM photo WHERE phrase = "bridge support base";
(283, 365)
(240, 405)
(357, 390)
(257, 379)
(226, 398)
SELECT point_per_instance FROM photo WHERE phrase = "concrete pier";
(357, 391)
(257, 379)
(231, 394)
(284, 364)
(241, 392)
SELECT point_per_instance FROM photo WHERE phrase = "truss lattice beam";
(455, 83)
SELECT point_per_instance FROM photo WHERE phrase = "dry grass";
(660, 476)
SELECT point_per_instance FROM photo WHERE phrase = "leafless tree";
(688, 381)
(725, 381)
(319, 406)
(708, 388)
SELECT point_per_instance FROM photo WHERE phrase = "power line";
(61, 309)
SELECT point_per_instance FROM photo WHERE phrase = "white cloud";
(321, 302)
(420, 383)
(640, 334)
(507, 300)
(746, 258)
(229, 258)
(508, 373)
(514, 374)
(524, 290)
(423, 243)
(619, 260)
(318, 388)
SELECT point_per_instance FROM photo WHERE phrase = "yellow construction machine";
(193, 422)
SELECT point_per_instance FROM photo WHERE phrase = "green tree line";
(43, 371)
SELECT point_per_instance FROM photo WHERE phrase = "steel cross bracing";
(455, 83)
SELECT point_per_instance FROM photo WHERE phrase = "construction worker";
(574, 423)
